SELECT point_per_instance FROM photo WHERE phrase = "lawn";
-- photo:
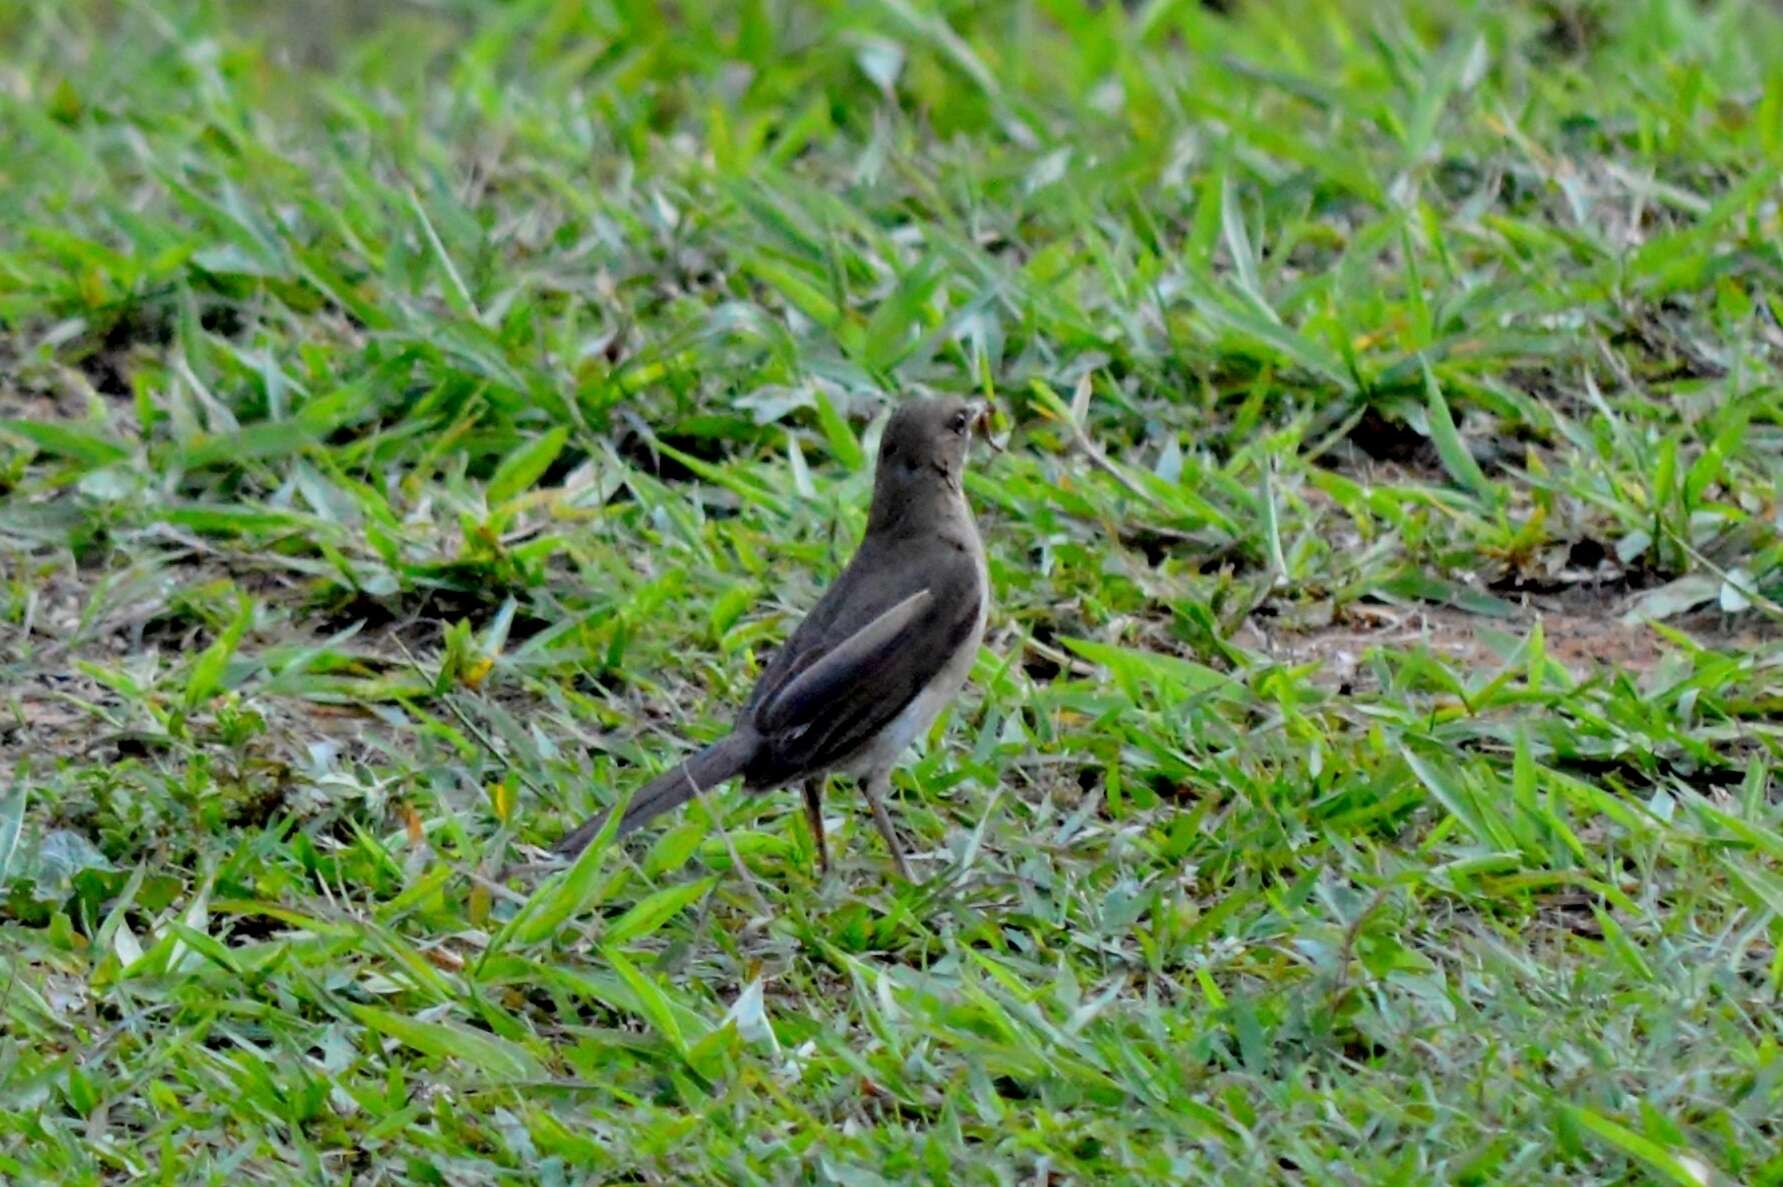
(420, 421)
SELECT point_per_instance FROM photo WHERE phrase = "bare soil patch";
(1582, 630)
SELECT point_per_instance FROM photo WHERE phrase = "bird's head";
(922, 456)
(928, 439)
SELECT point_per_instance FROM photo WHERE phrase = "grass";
(417, 426)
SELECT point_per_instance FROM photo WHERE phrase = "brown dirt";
(1583, 634)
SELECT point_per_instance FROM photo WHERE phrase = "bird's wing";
(872, 643)
(830, 674)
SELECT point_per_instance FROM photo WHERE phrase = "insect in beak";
(981, 424)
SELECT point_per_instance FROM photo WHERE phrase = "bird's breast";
(916, 717)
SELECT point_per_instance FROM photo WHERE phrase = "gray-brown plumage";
(884, 649)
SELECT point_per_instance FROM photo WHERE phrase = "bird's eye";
(959, 422)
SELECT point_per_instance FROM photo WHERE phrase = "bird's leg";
(874, 787)
(814, 817)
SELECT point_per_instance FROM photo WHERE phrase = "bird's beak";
(981, 424)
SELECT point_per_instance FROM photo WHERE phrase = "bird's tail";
(671, 789)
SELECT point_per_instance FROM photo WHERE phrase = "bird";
(885, 648)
